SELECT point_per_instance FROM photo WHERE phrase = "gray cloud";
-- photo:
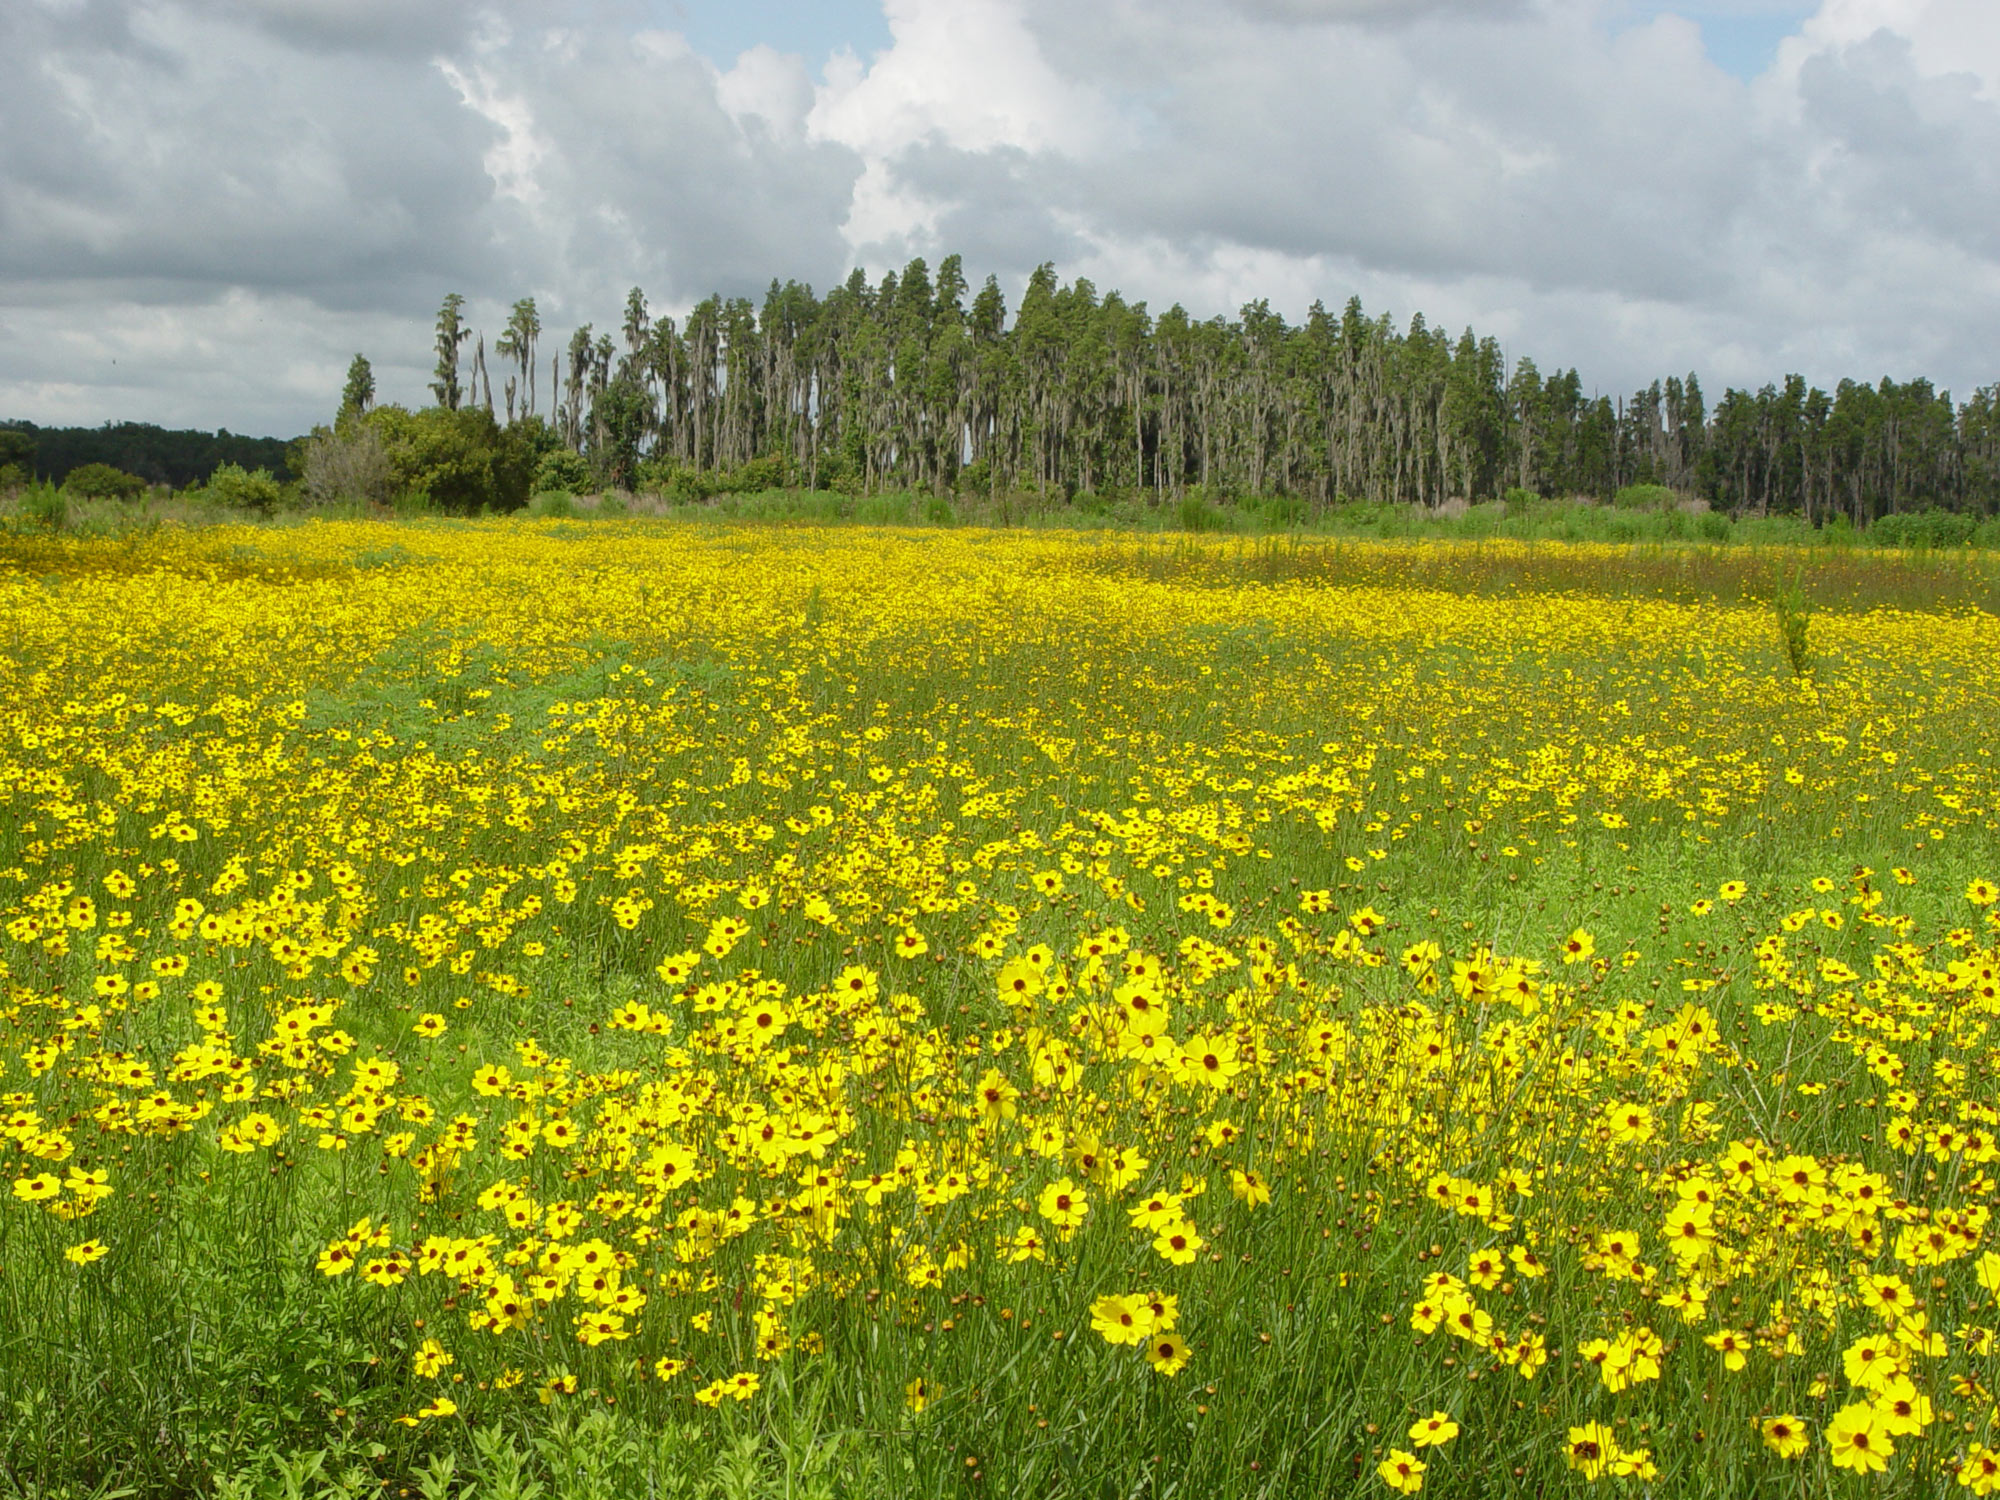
(1326, 12)
(206, 206)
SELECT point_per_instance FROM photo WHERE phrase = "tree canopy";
(917, 380)
(156, 454)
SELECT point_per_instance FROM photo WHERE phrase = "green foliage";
(463, 460)
(1195, 513)
(155, 454)
(451, 333)
(620, 416)
(554, 504)
(1924, 529)
(560, 469)
(1794, 627)
(1645, 497)
(245, 489)
(102, 482)
(17, 451)
(45, 505)
(359, 392)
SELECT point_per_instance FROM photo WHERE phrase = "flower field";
(637, 1009)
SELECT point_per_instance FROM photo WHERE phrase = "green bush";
(767, 473)
(1195, 513)
(102, 482)
(1644, 497)
(46, 506)
(244, 489)
(562, 470)
(1924, 528)
(554, 505)
(463, 460)
(1283, 512)
(17, 455)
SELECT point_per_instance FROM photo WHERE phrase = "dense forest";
(919, 382)
(156, 454)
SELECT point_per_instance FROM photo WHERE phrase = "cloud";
(1591, 187)
(1333, 12)
(308, 174)
(228, 197)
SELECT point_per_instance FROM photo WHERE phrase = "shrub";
(245, 489)
(1794, 627)
(563, 470)
(347, 465)
(1645, 497)
(46, 506)
(685, 487)
(1196, 514)
(463, 460)
(1283, 512)
(17, 454)
(767, 473)
(554, 504)
(102, 482)
(1924, 528)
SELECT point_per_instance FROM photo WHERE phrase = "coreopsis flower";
(1402, 1471)
(1857, 1439)
(1785, 1436)
(1432, 1431)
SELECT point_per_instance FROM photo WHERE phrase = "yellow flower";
(85, 1253)
(1249, 1188)
(1402, 1471)
(1902, 1408)
(1432, 1431)
(1167, 1353)
(1857, 1439)
(1785, 1436)
(1121, 1319)
(1179, 1243)
(1591, 1449)
(917, 1394)
(1732, 1345)
(1064, 1204)
(1980, 1472)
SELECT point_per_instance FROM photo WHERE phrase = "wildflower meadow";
(641, 1008)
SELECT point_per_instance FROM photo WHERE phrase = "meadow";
(530, 1007)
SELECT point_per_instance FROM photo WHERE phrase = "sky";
(207, 207)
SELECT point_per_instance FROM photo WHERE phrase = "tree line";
(157, 455)
(916, 381)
